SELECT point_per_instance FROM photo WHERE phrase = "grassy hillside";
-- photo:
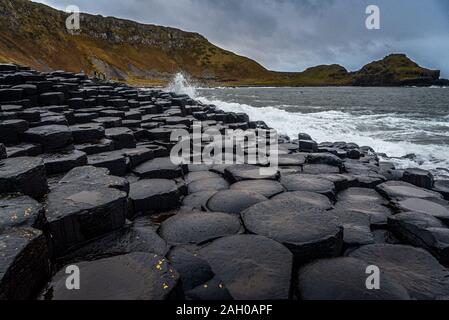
(34, 34)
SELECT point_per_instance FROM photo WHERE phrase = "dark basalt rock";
(308, 145)
(344, 279)
(159, 168)
(78, 212)
(212, 290)
(52, 98)
(11, 131)
(320, 169)
(154, 195)
(63, 162)
(198, 200)
(233, 201)
(415, 269)
(262, 270)
(420, 178)
(101, 146)
(366, 202)
(242, 172)
(266, 188)
(422, 230)
(88, 132)
(324, 158)
(200, 175)
(400, 190)
(304, 198)
(25, 175)
(113, 161)
(109, 122)
(199, 227)
(51, 138)
(213, 184)
(356, 227)
(24, 263)
(438, 209)
(441, 186)
(122, 137)
(2, 151)
(18, 211)
(311, 183)
(24, 150)
(290, 160)
(341, 181)
(309, 232)
(135, 276)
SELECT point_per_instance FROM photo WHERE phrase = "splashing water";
(181, 84)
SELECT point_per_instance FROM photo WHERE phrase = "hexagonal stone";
(320, 169)
(198, 200)
(213, 184)
(267, 188)
(200, 175)
(11, 130)
(122, 137)
(113, 161)
(20, 211)
(251, 267)
(344, 279)
(154, 195)
(365, 201)
(415, 269)
(309, 232)
(159, 168)
(78, 212)
(242, 172)
(24, 263)
(400, 190)
(438, 209)
(341, 181)
(422, 230)
(24, 150)
(324, 158)
(233, 201)
(109, 122)
(52, 137)
(101, 146)
(356, 227)
(25, 175)
(290, 160)
(418, 177)
(63, 162)
(199, 227)
(310, 183)
(88, 132)
(135, 276)
(304, 198)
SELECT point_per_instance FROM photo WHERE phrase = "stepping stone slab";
(122, 137)
(415, 269)
(18, 211)
(305, 198)
(213, 184)
(198, 200)
(78, 212)
(433, 208)
(25, 175)
(418, 177)
(11, 131)
(233, 201)
(319, 169)
(63, 162)
(242, 172)
(365, 201)
(310, 183)
(266, 188)
(424, 231)
(51, 138)
(251, 267)
(154, 195)
(101, 146)
(159, 168)
(135, 276)
(200, 175)
(24, 263)
(88, 132)
(24, 150)
(199, 227)
(344, 279)
(400, 190)
(356, 227)
(115, 162)
(324, 158)
(309, 232)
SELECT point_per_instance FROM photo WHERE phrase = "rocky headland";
(86, 180)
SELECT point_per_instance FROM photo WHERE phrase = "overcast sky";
(291, 35)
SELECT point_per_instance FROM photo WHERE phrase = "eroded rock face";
(251, 267)
(414, 269)
(135, 276)
(344, 279)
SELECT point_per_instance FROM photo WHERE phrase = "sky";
(292, 35)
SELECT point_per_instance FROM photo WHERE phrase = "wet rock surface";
(86, 178)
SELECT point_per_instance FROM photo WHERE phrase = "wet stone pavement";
(86, 180)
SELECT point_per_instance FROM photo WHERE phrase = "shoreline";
(86, 180)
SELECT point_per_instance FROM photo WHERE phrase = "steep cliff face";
(34, 34)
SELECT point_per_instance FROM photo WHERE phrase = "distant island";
(34, 34)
